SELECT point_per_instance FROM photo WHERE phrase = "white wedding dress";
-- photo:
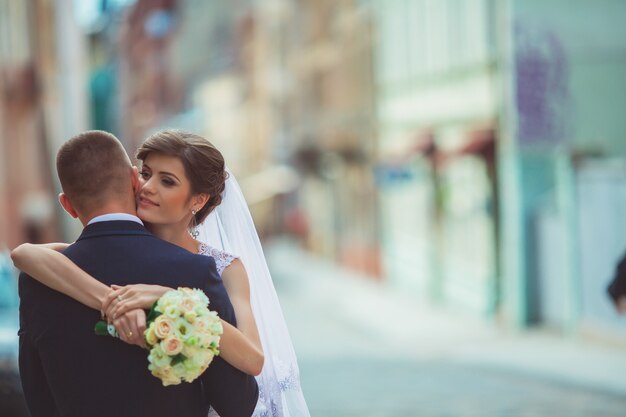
(227, 231)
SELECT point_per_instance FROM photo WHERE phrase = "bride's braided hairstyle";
(204, 164)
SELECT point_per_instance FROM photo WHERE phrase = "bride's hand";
(130, 297)
(131, 326)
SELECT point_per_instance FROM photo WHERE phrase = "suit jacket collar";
(113, 228)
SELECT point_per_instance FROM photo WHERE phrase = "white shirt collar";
(115, 216)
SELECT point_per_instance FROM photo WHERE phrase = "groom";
(66, 369)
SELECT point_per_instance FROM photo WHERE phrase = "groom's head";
(96, 176)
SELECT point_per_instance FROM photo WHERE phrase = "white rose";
(183, 329)
(190, 316)
(168, 376)
(158, 358)
(172, 311)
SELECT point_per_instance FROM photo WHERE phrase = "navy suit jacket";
(68, 371)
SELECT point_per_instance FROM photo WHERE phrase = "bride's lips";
(146, 202)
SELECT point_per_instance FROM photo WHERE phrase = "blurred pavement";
(367, 349)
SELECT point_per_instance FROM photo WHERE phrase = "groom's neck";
(107, 209)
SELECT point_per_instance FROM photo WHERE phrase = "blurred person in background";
(177, 167)
(617, 287)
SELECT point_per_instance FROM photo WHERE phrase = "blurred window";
(420, 38)
(14, 32)
(394, 35)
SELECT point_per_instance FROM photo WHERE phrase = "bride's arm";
(57, 246)
(239, 351)
(243, 349)
(56, 271)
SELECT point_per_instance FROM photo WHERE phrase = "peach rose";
(172, 346)
(163, 326)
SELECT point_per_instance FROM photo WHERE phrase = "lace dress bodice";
(222, 259)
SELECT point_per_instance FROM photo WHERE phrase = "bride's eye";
(168, 182)
(144, 174)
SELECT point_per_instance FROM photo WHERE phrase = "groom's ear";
(67, 205)
(134, 179)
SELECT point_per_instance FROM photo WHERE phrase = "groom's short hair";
(93, 167)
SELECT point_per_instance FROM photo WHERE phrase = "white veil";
(230, 228)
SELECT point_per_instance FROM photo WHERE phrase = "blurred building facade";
(330, 128)
(438, 110)
(148, 88)
(562, 159)
(470, 152)
(502, 156)
(42, 101)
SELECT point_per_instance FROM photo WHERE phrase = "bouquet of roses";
(182, 335)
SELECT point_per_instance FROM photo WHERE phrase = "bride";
(186, 193)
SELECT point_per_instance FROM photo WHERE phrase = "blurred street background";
(440, 184)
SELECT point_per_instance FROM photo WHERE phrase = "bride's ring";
(130, 334)
(119, 298)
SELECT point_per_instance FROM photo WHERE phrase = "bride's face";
(165, 193)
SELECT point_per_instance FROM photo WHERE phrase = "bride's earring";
(193, 228)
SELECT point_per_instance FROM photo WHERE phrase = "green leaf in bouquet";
(101, 328)
(153, 313)
(178, 359)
